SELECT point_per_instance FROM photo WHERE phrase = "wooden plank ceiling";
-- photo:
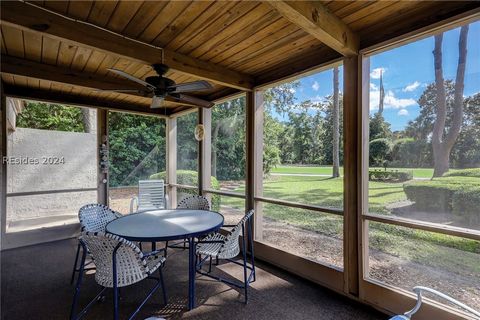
(250, 38)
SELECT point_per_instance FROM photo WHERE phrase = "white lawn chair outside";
(151, 196)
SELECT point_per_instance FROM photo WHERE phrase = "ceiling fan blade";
(119, 90)
(130, 77)
(191, 86)
(193, 100)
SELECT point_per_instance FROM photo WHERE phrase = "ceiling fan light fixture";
(157, 102)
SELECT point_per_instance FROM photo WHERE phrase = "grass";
(327, 170)
(437, 250)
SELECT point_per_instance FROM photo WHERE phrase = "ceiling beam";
(315, 19)
(27, 16)
(21, 67)
(81, 101)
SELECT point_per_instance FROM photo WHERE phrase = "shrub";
(464, 173)
(390, 175)
(434, 195)
(379, 151)
(466, 202)
(190, 178)
(410, 153)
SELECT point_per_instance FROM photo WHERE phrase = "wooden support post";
(363, 145)
(205, 151)
(250, 150)
(3, 168)
(258, 162)
(102, 138)
(171, 130)
(352, 174)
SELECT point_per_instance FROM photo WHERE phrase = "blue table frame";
(166, 225)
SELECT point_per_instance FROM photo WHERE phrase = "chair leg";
(210, 265)
(79, 283)
(252, 255)
(245, 278)
(166, 248)
(164, 291)
(75, 264)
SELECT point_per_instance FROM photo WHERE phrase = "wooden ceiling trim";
(258, 37)
(218, 25)
(65, 54)
(203, 21)
(30, 17)
(24, 92)
(144, 16)
(352, 7)
(168, 14)
(218, 42)
(183, 20)
(50, 48)
(94, 62)
(82, 55)
(13, 39)
(317, 20)
(33, 46)
(57, 6)
(101, 12)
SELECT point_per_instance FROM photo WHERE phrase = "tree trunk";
(336, 125)
(443, 142)
(87, 120)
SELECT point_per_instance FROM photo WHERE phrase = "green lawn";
(327, 170)
(416, 245)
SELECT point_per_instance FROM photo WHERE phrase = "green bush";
(390, 175)
(411, 153)
(379, 151)
(464, 173)
(466, 202)
(433, 195)
(190, 178)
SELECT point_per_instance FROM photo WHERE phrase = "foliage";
(378, 127)
(39, 115)
(187, 145)
(411, 153)
(137, 147)
(465, 203)
(190, 178)
(389, 175)
(464, 173)
(379, 151)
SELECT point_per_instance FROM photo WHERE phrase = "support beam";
(3, 166)
(171, 132)
(317, 20)
(21, 67)
(352, 173)
(102, 138)
(27, 16)
(205, 151)
(81, 101)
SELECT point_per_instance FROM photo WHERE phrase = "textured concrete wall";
(38, 148)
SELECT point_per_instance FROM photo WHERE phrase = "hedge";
(466, 202)
(390, 175)
(431, 195)
(464, 173)
(190, 178)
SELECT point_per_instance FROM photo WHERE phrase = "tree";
(336, 125)
(443, 140)
(379, 128)
(47, 116)
(87, 115)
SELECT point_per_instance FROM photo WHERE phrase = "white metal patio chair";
(93, 218)
(194, 202)
(119, 263)
(418, 290)
(151, 196)
(227, 247)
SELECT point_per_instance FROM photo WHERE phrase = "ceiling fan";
(162, 87)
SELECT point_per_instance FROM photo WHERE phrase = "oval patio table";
(166, 225)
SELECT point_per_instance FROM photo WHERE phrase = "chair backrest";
(95, 217)
(151, 194)
(194, 202)
(231, 247)
(131, 266)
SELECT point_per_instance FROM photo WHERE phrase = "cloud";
(403, 112)
(375, 74)
(292, 90)
(411, 86)
(390, 101)
(373, 87)
(315, 86)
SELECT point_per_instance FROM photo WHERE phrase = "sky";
(406, 72)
